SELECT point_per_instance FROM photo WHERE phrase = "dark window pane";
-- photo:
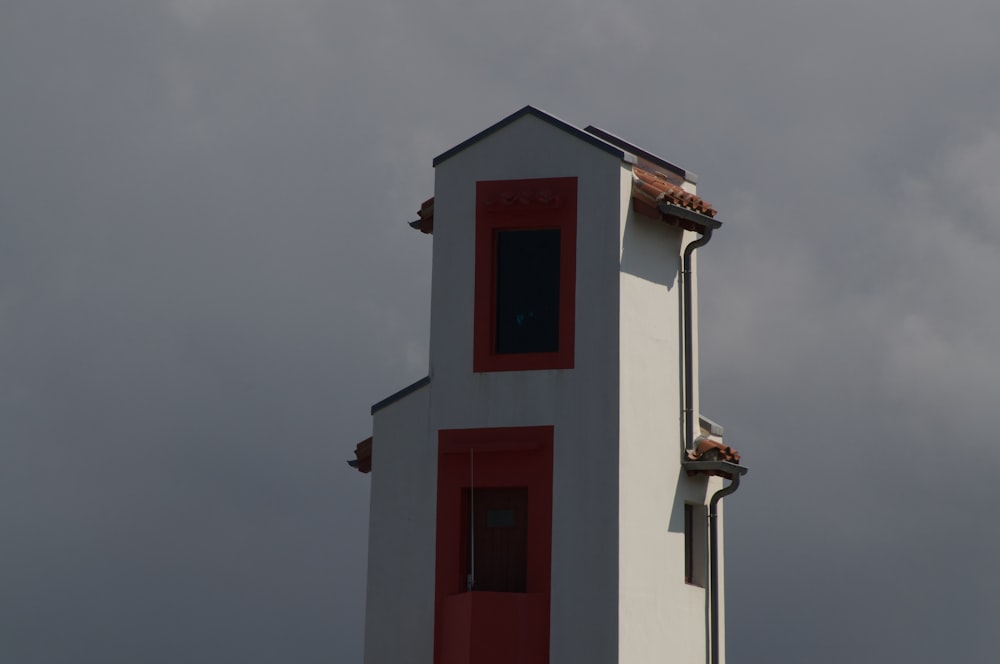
(500, 519)
(527, 295)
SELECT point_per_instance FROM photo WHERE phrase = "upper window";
(527, 291)
(525, 274)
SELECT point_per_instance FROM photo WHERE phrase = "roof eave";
(393, 398)
(688, 219)
(726, 469)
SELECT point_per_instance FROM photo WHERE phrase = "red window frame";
(503, 457)
(535, 204)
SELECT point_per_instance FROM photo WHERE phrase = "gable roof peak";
(548, 118)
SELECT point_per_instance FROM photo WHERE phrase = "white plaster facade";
(618, 592)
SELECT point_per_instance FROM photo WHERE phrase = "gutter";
(687, 295)
(713, 559)
(733, 472)
(705, 225)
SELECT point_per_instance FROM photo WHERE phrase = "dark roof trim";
(544, 117)
(726, 469)
(625, 145)
(393, 398)
(700, 221)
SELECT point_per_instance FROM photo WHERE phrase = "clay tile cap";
(657, 187)
(713, 450)
(363, 456)
(425, 217)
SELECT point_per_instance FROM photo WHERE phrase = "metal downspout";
(688, 440)
(713, 561)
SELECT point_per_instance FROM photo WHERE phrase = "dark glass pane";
(527, 296)
(500, 519)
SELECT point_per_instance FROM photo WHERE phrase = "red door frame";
(501, 457)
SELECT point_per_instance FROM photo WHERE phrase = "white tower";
(542, 496)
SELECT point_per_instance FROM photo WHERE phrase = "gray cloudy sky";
(206, 280)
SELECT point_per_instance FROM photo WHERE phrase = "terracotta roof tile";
(653, 187)
(713, 450)
(363, 455)
(425, 217)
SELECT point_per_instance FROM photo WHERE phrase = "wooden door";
(499, 543)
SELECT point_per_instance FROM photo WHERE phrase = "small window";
(500, 519)
(694, 544)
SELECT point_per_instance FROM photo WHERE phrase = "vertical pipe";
(688, 296)
(713, 561)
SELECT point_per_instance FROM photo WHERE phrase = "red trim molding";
(521, 205)
(471, 626)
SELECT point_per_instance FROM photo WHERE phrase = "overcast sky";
(206, 280)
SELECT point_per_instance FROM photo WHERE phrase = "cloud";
(206, 279)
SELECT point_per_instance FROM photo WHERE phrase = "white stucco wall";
(661, 617)
(581, 403)
(399, 610)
